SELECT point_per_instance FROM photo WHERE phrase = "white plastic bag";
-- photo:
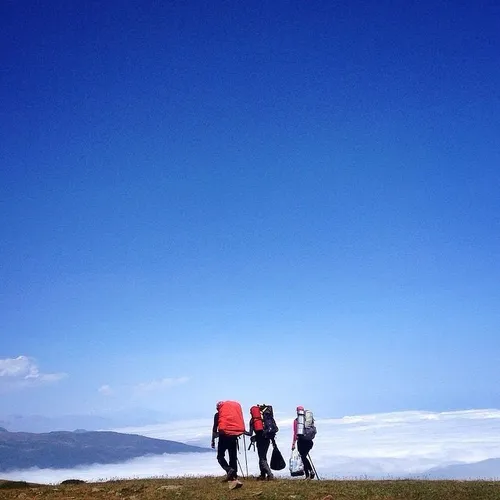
(296, 465)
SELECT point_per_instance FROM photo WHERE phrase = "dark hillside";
(22, 450)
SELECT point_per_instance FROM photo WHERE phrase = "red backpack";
(231, 421)
(256, 418)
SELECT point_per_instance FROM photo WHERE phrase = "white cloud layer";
(23, 372)
(376, 446)
(182, 464)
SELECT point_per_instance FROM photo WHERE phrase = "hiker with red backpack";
(228, 426)
(304, 431)
(264, 426)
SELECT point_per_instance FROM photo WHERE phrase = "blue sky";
(262, 201)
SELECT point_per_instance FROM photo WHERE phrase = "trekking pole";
(241, 468)
(245, 448)
(238, 449)
(314, 468)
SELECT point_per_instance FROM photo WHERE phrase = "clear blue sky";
(292, 201)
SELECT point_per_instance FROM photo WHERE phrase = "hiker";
(228, 425)
(265, 431)
(304, 432)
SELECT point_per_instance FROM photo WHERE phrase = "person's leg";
(262, 449)
(312, 473)
(265, 463)
(221, 452)
(233, 455)
(303, 449)
(259, 441)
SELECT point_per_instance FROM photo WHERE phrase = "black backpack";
(270, 427)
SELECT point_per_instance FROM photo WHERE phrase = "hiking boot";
(270, 477)
(230, 476)
(312, 475)
(262, 477)
(233, 485)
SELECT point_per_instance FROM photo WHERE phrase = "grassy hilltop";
(214, 489)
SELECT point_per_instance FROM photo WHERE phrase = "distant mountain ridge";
(488, 469)
(63, 449)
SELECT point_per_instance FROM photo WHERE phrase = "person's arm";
(250, 428)
(214, 429)
(294, 434)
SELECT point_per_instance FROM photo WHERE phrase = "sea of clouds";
(401, 444)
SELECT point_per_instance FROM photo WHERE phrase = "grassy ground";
(214, 489)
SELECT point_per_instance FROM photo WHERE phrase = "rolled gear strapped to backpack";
(231, 422)
(301, 418)
(256, 414)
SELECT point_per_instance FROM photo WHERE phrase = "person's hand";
(293, 446)
(213, 445)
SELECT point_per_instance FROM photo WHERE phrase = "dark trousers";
(228, 443)
(262, 449)
(304, 446)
